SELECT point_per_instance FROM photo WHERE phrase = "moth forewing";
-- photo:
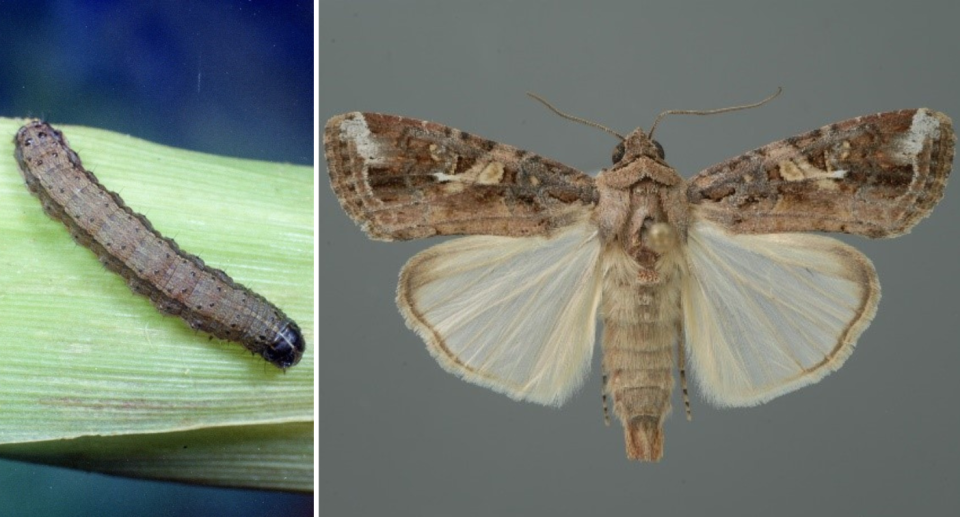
(401, 178)
(876, 176)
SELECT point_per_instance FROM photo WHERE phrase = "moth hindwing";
(714, 268)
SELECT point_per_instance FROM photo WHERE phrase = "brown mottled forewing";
(875, 176)
(402, 178)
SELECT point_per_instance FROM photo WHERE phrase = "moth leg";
(682, 366)
(603, 396)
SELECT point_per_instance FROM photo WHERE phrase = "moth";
(715, 270)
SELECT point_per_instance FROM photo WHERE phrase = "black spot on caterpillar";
(177, 283)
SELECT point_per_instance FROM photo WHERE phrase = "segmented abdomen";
(640, 331)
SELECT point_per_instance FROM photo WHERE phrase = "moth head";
(618, 152)
(636, 145)
(662, 155)
(286, 348)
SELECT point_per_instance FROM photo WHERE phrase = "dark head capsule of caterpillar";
(286, 348)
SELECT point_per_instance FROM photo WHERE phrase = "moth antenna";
(681, 364)
(603, 396)
(713, 111)
(575, 118)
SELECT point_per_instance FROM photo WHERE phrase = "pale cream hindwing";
(516, 315)
(768, 314)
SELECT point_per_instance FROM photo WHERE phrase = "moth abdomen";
(176, 282)
(638, 366)
(639, 334)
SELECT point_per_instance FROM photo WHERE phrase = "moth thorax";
(661, 238)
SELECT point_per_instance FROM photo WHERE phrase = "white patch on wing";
(356, 130)
(482, 173)
(923, 128)
(800, 169)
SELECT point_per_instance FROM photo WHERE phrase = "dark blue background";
(231, 78)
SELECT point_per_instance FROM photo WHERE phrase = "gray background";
(400, 435)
